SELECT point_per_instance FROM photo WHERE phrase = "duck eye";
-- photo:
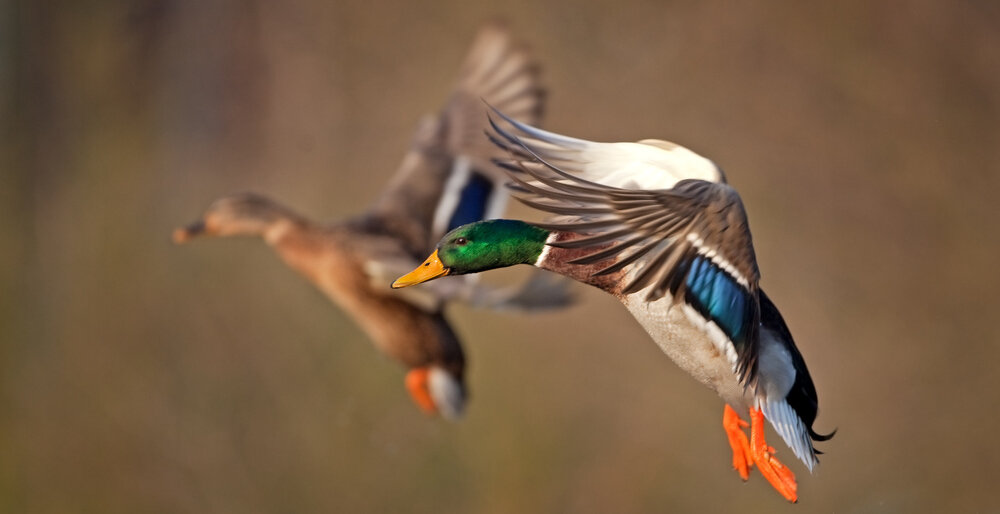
(461, 241)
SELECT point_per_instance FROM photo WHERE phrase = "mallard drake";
(445, 180)
(657, 226)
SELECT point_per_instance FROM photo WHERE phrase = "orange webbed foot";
(742, 457)
(779, 476)
(416, 384)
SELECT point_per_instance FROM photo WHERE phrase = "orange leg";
(742, 458)
(780, 477)
(416, 384)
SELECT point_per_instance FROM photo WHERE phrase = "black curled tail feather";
(802, 397)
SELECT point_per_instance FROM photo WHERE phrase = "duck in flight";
(657, 226)
(446, 179)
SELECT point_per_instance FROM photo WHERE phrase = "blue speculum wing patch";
(717, 296)
(472, 203)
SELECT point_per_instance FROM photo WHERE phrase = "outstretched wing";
(447, 178)
(648, 164)
(691, 241)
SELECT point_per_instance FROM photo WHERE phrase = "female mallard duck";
(447, 179)
(656, 225)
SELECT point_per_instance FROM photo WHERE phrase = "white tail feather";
(791, 428)
(447, 393)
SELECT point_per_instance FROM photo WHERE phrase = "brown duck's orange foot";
(779, 476)
(416, 384)
(742, 457)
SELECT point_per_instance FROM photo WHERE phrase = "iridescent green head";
(478, 247)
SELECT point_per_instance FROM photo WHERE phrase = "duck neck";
(557, 260)
(276, 231)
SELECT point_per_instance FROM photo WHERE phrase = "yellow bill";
(430, 269)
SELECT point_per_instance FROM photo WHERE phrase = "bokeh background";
(140, 376)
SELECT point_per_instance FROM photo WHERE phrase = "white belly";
(680, 335)
(705, 353)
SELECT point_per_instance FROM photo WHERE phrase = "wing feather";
(647, 165)
(448, 176)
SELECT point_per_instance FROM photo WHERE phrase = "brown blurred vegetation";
(143, 377)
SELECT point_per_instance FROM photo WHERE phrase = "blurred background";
(140, 376)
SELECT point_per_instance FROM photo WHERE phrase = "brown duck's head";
(236, 215)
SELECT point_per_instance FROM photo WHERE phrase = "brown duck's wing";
(691, 242)
(447, 178)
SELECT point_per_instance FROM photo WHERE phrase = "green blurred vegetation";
(143, 377)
